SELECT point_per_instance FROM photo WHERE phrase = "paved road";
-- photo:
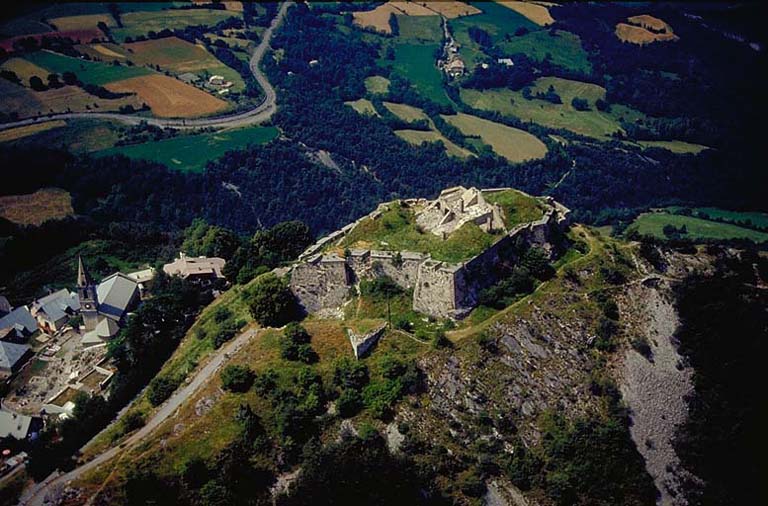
(259, 114)
(37, 495)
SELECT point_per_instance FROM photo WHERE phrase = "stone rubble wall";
(441, 289)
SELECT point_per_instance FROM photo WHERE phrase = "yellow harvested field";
(75, 99)
(82, 22)
(413, 8)
(647, 21)
(109, 52)
(13, 134)
(513, 144)
(172, 53)
(363, 106)
(419, 137)
(538, 13)
(233, 6)
(378, 18)
(169, 97)
(406, 112)
(36, 208)
(452, 9)
(644, 29)
(25, 69)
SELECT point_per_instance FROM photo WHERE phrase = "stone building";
(323, 279)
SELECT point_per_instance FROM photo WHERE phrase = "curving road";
(37, 496)
(259, 114)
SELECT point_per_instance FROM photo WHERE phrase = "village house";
(12, 357)
(53, 311)
(455, 67)
(199, 269)
(505, 61)
(17, 325)
(19, 427)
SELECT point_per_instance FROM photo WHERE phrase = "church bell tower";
(86, 291)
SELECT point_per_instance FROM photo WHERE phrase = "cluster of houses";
(215, 82)
(96, 311)
(451, 63)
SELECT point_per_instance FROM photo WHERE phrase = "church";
(104, 307)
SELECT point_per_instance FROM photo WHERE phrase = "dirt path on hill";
(40, 494)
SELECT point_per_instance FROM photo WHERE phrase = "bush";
(271, 302)
(237, 378)
(643, 347)
(294, 345)
(580, 104)
(471, 483)
(161, 388)
(350, 374)
(349, 403)
(441, 341)
(381, 287)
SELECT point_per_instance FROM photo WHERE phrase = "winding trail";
(37, 496)
(258, 114)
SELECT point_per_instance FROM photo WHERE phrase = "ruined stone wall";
(320, 284)
(435, 292)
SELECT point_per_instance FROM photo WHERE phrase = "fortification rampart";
(440, 289)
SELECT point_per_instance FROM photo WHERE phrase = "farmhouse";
(323, 279)
(189, 77)
(505, 61)
(199, 269)
(455, 67)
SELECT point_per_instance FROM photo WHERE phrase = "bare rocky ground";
(654, 389)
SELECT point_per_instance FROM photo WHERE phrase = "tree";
(350, 374)
(37, 84)
(294, 345)
(10, 75)
(161, 388)
(69, 78)
(271, 302)
(394, 26)
(237, 378)
(349, 403)
(580, 104)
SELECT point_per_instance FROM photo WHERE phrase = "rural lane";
(259, 114)
(37, 495)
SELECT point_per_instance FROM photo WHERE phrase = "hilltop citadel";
(444, 283)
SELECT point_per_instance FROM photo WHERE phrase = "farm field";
(82, 22)
(564, 48)
(190, 153)
(539, 14)
(636, 32)
(89, 72)
(513, 144)
(81, 135)
(679, 147)
(141, 23)
(453, 9)
(19, 100)
(416, 62)
(180, 56)
(169, 97)
(419, 137)
(378, 19)
(104, 51)
(758, 219)
(14, 134)
(36, 208)
(652, 224)
(406, 112)
(363, 106)
(495, 19)
(377, 84)
(25, 69)
(420, 28)
(591, 123)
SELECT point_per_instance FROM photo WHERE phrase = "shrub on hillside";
(237, 378)
(271, 302)
(161, 388)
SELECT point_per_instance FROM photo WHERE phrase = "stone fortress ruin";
(329, 269)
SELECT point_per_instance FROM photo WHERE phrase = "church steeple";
(86, 291)
(83, 279)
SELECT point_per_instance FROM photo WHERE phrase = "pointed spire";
(83, 279)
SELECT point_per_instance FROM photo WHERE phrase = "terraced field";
(679, 147)
(419, 137)
(190, 153)
(377, 84)
(406, 112)
(513, 144)
(36, 208)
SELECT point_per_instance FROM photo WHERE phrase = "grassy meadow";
(190, 153)
(564, 48)
(513, 144)
(652, 224)
(89, 72)
(419, 137)
(142, 22)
